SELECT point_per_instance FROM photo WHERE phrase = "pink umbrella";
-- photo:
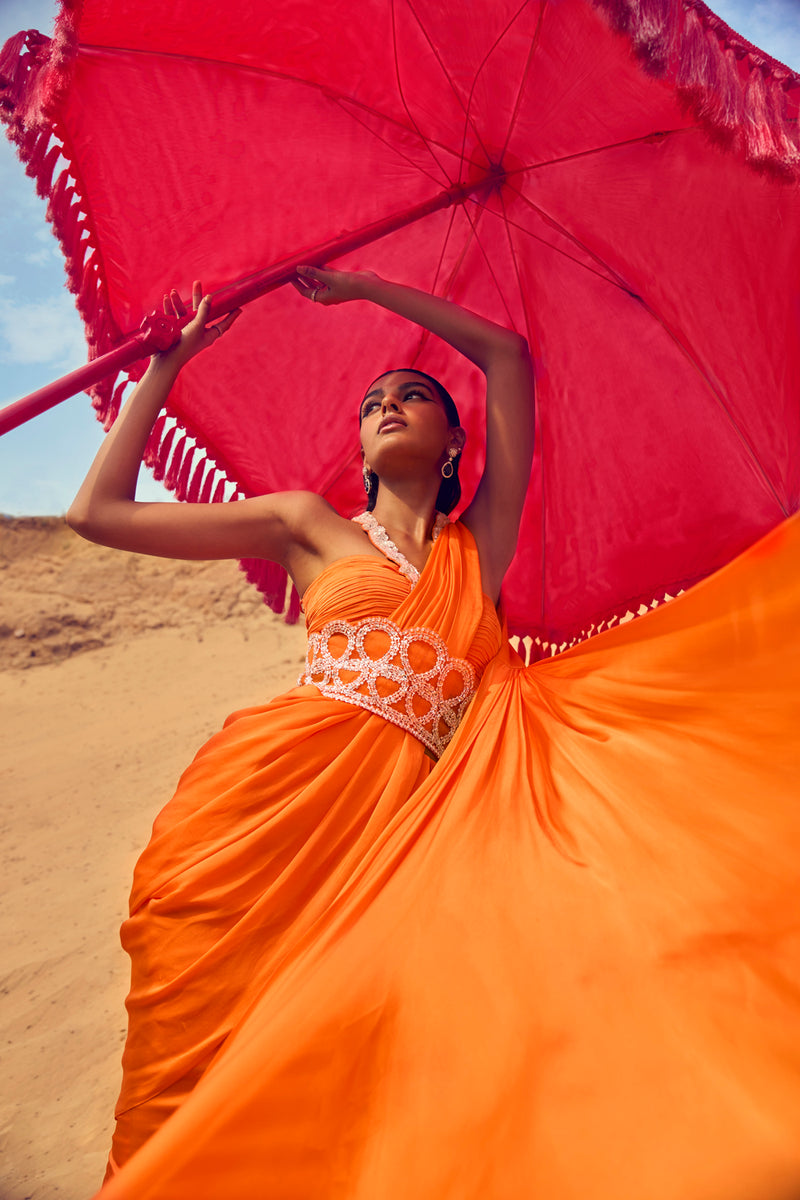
(617, 179)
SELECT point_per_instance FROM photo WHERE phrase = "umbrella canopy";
(638, 222)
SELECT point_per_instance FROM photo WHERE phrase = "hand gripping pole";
(159, 332)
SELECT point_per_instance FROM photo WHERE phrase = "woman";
(411, 446)
(562, 960)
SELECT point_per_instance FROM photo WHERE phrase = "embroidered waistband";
(426, 698)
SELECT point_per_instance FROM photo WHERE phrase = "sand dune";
(115, 669)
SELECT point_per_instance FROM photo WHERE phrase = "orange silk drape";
(566, 964)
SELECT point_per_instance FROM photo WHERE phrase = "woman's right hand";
(327, 286)
(198, 334)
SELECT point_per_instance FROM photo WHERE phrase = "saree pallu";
(564, 962)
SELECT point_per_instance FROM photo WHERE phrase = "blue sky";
(41, 336)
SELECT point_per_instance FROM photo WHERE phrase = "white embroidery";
(381, 541)
(418, 703)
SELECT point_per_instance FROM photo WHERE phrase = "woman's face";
(403, 420)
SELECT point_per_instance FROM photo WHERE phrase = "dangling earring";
(367, 477)
(448, 467)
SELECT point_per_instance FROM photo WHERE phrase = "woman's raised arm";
(494, 515)
(105, 509)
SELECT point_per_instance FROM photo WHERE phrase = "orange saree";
(562, 962)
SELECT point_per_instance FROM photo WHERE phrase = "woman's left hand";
(325, 286)
(199, 334)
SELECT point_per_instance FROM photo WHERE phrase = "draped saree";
(564, 961)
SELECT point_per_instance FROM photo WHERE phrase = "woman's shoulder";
(308, 515)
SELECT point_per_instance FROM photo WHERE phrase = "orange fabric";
(266, 825)
(564, 962)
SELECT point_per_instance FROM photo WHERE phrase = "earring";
(367, 477)
(448, 468)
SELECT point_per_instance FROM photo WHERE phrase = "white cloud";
(42, 331)
(7, 279)
(49, 249)
(40, 258)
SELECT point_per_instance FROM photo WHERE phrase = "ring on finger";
(314, 294)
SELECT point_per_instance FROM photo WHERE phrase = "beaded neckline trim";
(381, 541)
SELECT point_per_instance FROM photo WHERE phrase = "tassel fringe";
(740, 95)
(273, 582)
(35, 72)
(533, 646)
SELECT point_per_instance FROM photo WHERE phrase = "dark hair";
(450, 490)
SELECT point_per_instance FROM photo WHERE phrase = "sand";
(115, 669)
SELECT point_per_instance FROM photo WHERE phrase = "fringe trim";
(35, 72)
(538, 644)
(178, 457)
(740, 95)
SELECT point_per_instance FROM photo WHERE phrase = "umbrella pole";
(158, 332)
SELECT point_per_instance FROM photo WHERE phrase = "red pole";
(158, 332)
(121, 356)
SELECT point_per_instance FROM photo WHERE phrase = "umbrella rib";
(395, 149)
(324, 88)
(424, 334)
(448, 231)
(518, 101)
(477, 75)
(685, 349)
(551, 246)
(402, 96)
(721, 400)
(515, 261)
(450, 82)
(612, 276)
(656, 136)
(487, 260)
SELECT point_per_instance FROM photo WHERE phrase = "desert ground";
(115, 669)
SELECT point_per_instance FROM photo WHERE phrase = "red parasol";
(617, 179)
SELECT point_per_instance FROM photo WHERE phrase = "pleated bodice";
(448, 599)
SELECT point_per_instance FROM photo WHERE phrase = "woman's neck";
(407, 512)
